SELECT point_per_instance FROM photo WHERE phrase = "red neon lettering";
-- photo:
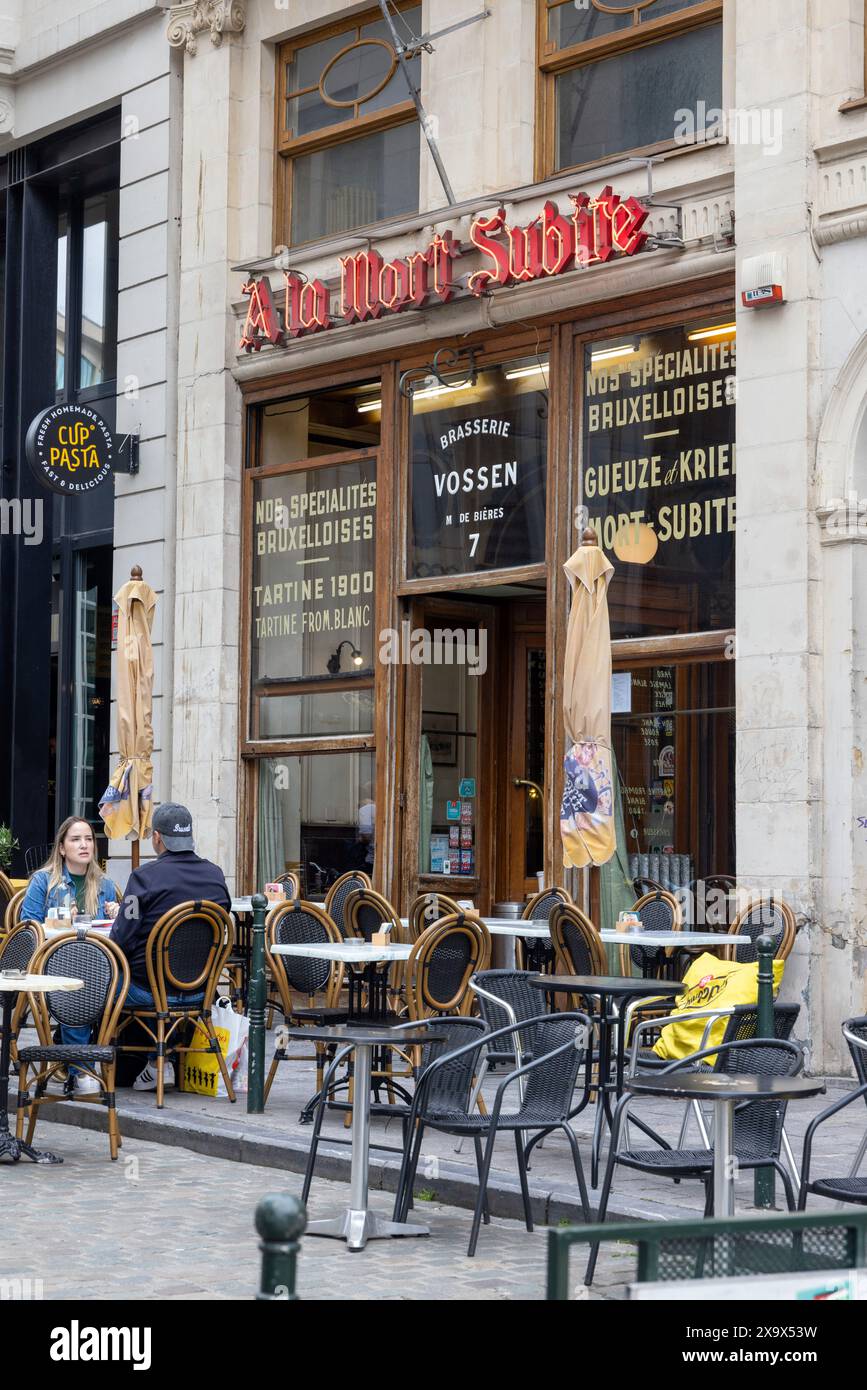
(359, 286)
(558, 241)
(442, 251)
(261, 321)
(306, 306)
(627, 219)
(482, 233)
(525, 252)
(418, 265)
(394, 285)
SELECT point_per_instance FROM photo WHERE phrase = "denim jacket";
(37, 899)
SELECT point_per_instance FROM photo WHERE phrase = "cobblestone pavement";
(165, 1223)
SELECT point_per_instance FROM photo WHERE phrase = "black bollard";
(764, 1185)
(280, 1221)
(256, 1006)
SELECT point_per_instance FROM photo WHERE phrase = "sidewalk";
(218, 1129)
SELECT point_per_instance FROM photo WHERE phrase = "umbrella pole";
(135, 853)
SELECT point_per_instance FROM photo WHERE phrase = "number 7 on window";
(474, 537)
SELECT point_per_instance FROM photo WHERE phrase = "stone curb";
(448, 1182)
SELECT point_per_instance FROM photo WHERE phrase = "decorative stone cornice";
(193, 17)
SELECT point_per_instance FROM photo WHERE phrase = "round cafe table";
(13, 983)
(725, 1092)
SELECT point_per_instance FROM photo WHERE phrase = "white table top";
(52, 929)
(349, 951)
(37, 984)
(670, 938)
(242, 905)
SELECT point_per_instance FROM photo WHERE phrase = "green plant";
(8, 845)
(426, 1194)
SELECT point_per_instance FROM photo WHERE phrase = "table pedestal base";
(358, 1227)
(14, 1149)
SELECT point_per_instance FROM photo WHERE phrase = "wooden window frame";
(552, 63)
(287, 148)
(860, 102)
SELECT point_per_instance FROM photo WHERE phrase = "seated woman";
(71, 877)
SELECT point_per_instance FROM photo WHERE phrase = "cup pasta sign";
(70, 449)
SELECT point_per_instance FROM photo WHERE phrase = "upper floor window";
(87, 253)
(348, 136)
(624, 75)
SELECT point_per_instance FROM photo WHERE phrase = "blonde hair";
(54, 865)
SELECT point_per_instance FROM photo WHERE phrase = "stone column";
(205, 732)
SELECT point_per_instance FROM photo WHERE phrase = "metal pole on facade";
(280, 1221)
(425, 121)
(256, 1046)
(764, 1185)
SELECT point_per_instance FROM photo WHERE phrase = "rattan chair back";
(302, 924)
(577, 944)
(12, 913)
(103, 968)
(427, 909)
(7, 891)
(657, 910)
(366, 911)
(440, 965)
(291, 882)
(186, 951)
(763, 917)
(18, 948)
(540, 907)
(335, 898)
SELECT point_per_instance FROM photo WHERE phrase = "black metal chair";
(335, 898)
(507, 997)
(454, 1032)
(850, 1188)
(757, 1129)
(35, 857)
(548, 1100)
(318, 981)
(103, 968)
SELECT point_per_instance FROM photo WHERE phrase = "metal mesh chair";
(765, 917)
(757, 1127)
(186, 951)
(443, 959)
(506, 996)
(35, 857)
(335, 898)
(317, 981)
(452, 1088)
(546, 1104)
(850, 1188)
(538, 953)
(103, 968)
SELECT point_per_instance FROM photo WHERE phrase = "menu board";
(313, 572)
(477, 476)
(658, 473)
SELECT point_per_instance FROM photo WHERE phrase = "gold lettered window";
(658, 475)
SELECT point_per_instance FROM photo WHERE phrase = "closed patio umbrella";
(126, 806)
(587, 813)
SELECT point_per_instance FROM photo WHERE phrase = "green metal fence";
(711, 1249)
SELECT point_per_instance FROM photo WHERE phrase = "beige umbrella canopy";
(127, 803)
(587, 812)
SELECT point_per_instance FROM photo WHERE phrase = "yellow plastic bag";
(201, 1068)
(709, 983)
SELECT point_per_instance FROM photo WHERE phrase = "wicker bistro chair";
(442, 962)
(457, 1081)
(764, 917)
(364, 913)
(539, 909)
(427, 909)
(7, 892)
(578, 948)
(757, 1130)
(17, 950)
(658, 910)
(186, 952)
(335, 898)
(850, 1188)
(12, 913)
(317, 981)
(548, 1100)
(103, 968)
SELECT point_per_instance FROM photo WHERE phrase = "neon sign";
(597, 230)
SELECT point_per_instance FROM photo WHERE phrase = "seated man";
(176, 876)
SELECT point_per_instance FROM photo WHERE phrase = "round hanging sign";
(70, 449)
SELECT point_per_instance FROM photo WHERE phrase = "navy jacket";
(152, 890)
